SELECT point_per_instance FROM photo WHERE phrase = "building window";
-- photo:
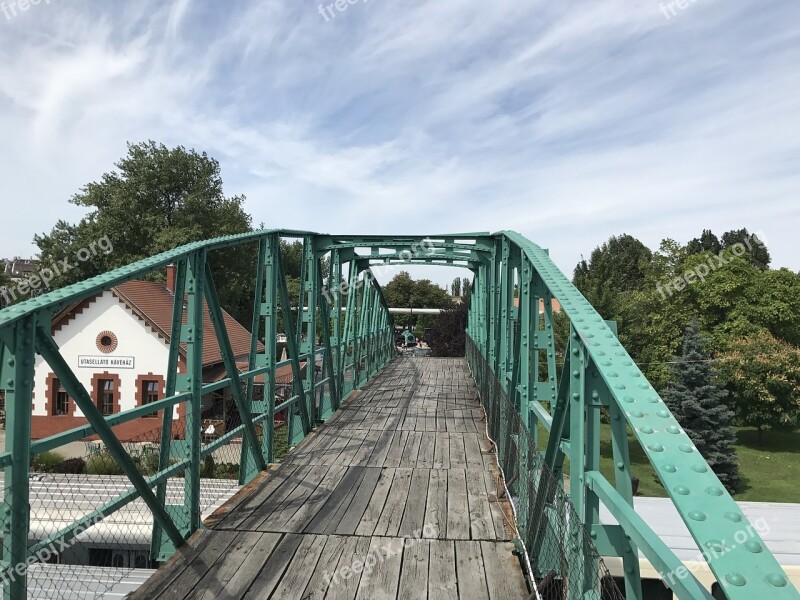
(106, 341)
(150, 395)
(105, 396)
(60, 399)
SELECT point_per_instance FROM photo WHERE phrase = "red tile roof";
(152, 302)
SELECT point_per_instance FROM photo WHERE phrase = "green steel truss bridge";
(545, 426)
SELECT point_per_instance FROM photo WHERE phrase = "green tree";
(763, 375)
(156, 199)
(757, 249)
(698, 402)
(707, 242)
(5, 283)
(404, 292)
(449, 336)
(618, 266)
(455, 288)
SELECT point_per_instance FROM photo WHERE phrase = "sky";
(568, 122)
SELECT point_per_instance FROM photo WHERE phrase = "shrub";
(74, 466)
(45, 461)
(102, 464)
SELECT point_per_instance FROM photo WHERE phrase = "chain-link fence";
(563, 559)
(90, 534)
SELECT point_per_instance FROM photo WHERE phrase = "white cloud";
(569, 123)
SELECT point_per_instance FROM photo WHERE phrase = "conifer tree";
(699, 404)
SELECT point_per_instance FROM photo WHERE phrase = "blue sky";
(569, 122)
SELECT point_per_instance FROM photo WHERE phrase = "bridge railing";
(165, 475)
(512, 326)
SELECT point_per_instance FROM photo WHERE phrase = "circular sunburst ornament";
(106, 341)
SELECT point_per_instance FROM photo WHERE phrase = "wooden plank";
(344, 584)
(411, 451)
(414, 515)
(503, 572)
(214, 545)
(473, 451)
(426, 450)
(332, 508)
(395, 454)
(172, 568)
(252, 565)
(442, 582)
(270, 575)
(266, 508)
(355, 511)
(368, 446)
(470, 571)
(286, 508)
(216, 584)
(298, 575)
(235, 518)
(315, 501)
(392, 515)
(381, 581)
(381, 449)
(457, 505)
(441, 455)
(480, 513)
(374, 509)
(414, 572)
(502, 528)
(458, 456)
(326, 565)
(436, 505)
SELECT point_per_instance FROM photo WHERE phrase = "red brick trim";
(140, 380)
(106, 375)
(61, 320)
(48, 399)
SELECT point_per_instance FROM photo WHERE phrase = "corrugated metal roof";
(83, 583)
(777, 524)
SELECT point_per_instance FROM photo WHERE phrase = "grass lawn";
(770, 470)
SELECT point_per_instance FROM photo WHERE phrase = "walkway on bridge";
(407, 458)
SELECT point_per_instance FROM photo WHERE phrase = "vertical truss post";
(308, 321)
(349, 342)
(19, 361)
(193, 382)
(493, 338)
(577, 461)
(546, 388)
(248, 464)
(268, 302)
(528, 325)
(161, 547)
(329, 358)
(335, 278)
(506, 315)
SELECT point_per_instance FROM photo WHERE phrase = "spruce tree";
(698, 402)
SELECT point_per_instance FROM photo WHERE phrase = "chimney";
(171, 278)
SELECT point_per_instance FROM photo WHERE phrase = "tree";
(5, 283)
(757, 249)
(617, 266)
(448, 337)
(456, 287)
(157, 198)
(698, 402)
(763, 375)
(707, 242)
(404, 292)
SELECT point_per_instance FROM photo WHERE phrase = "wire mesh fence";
(90, 533)
(563, 559)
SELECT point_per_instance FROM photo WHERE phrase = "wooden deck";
(395, 497)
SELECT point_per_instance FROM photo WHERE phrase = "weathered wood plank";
(457, 505)
(299, 573)
(442, 582)
(381, 581)
(414, 572)
(392, 515)
(272, 572)
(503, 573)
(374, 509)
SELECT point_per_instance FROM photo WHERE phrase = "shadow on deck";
(397, 496)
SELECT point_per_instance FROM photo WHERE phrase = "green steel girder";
(597, 372)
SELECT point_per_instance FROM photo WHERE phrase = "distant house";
(118, 343)
(18, 268)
